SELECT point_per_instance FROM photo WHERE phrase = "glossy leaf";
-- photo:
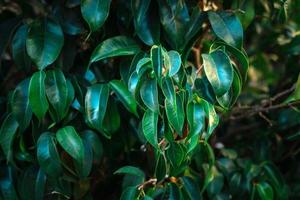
(191, 188)
(95, 105)
(70, 141)
(37, 94)
(213, 118)
(265, 191)
(19, 53)
(40, 185)
(174, 62)
(157, 61)
(7, 134)
(94, 141)
(227, 27)
(175, 154)
(219, 71)
(168, 89)
(149, 95)
(116, 46)
(195, 117)
(84, 168)
(95, 12)
(146, 27)
(129, 193)
(175, 114)
(47, 154)
(21, 110)
(149, 125)
(130, 170)
(44, 42)
(124, 95)
(57, 91)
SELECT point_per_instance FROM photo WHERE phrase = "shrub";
(137, 99)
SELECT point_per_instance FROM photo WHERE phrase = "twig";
(265, 118)
(151, 181)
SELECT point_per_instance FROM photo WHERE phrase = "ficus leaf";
(175, 114)
(265, 191)
(116, 46)
(47, 154)
(37, 94)
(130, 170)
(95, 12)
(44, 42)
(124, 95)
(149, 124)
(70, 141)
(219, 71)
(227, 27)
(149, 94)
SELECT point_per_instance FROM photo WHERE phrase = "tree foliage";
(141, 99)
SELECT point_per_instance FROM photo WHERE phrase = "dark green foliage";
(141, 99)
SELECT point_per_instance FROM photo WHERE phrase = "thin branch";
(151, 181)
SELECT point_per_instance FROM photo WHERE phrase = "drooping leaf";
(157, 61)
(168, 89)
(174, 62)
(57, 92)
(19, 53)
(129, 193)
(175, 154)
(124, 95)
(265, 191)
(195, 117)
(213, 118)
(84, 168)
(160, 168)
(47, 154)
(37, 95)
(93, 139)
(175, 114)
(130, 170)
(149, 94)
(70, 141)
(20, 107)
(146, 27)
(227, 27)
(44, 42)
(219, 71)
(112, 120)
(116, 46)
(95, 12)
(149, 125)
(95, 105)
(7, 134)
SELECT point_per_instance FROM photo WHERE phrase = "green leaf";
(174, 192)
(146, 26)
(149, 125)
(168, 89)
(175, 114)
(195, 117)
(20, 107)
(227, 27)
(296, 94)
(47, 154)
(93, 140)
(129, 193)
(219, 71)
(19, 53)
(265, 191)
(70, 141)
(7, 134)
(95, 12)
(213, 118)
(111, 121)
(37, 94)
(142, 65)
(149, 94)
(216, 181)
(191, 187)
(173, 63)
(116, 46)
(174, 17)
(157, 61)
(175, 154)
(84, 168)
(95, 105)
(124, 95)
(40, 184)
(57, 91)
(160, 168)
(44, 42)
(130, 170)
